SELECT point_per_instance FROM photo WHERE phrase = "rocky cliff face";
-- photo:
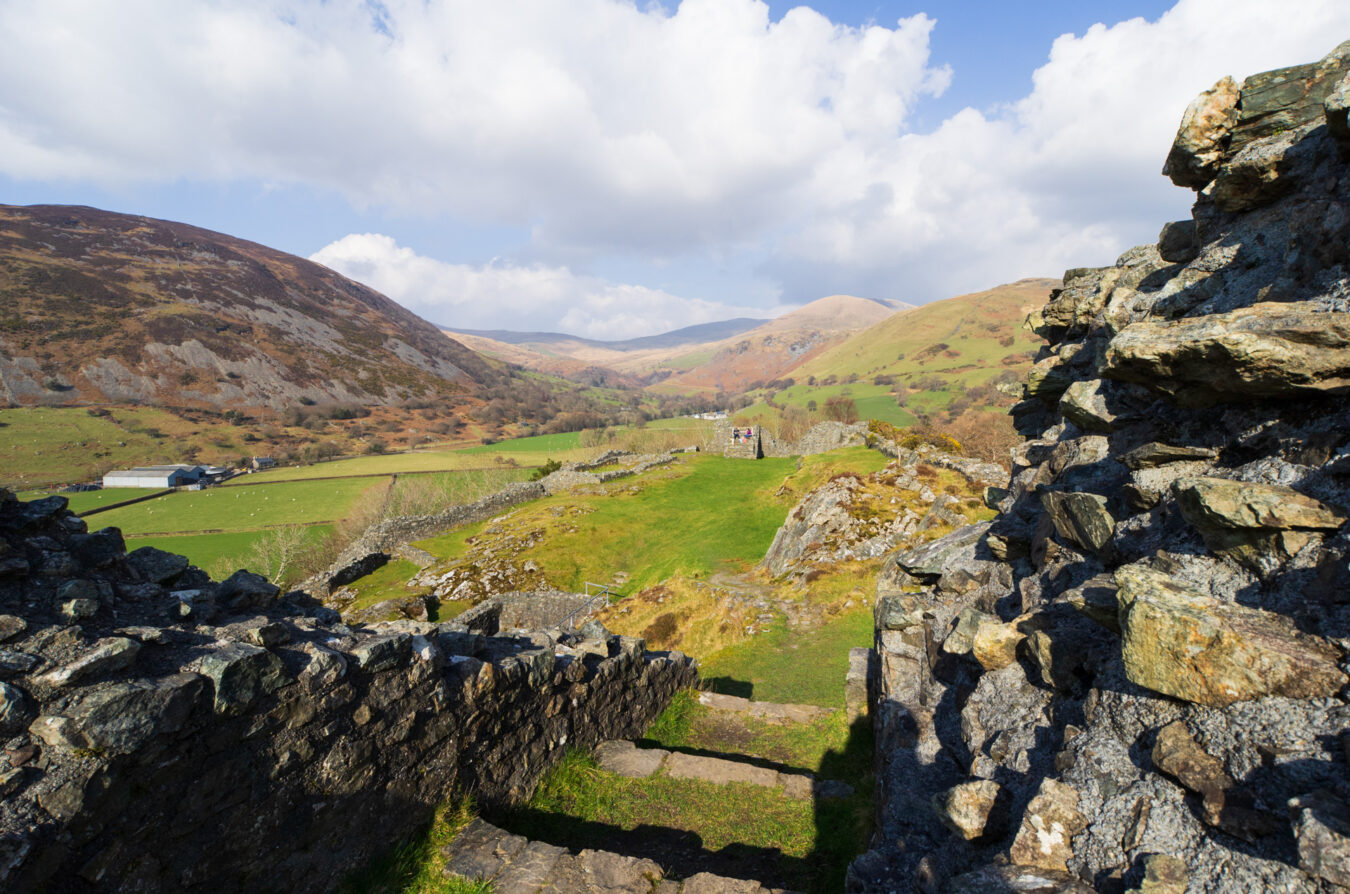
(1135, 677)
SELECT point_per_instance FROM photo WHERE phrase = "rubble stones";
(1163, 874)
(1178, 243)
(1191, 646)
(965, 808)
(1051, 821)
(245, 590)
(1338, 115)
(156, 565)
(1080, 518)
(1322, 829)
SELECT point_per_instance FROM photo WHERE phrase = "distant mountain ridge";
(728, 355)
(695, 334)
(102, 307)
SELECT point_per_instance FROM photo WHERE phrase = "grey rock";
(269, 635)
(108, 656)
(383, 652)
(1156, 454)
(79, 609)
(99, 549)
(1267, 350)
(1191, 646)
(15, 663)
(246, 590)
(15, 710)
(157, 565)
(11, 626)
(124, 717)
(241, 673)
(965, 808)
(1201, 140)
(1050, 822)
(1080, 518)
(1021, 879)
(1178, 243)
(1322, 830)
(931, 559)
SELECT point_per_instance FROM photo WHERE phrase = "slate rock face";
(1153, 667)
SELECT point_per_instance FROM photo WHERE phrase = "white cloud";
(703, 135)
(524, 298)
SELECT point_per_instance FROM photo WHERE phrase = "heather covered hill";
(101, 307)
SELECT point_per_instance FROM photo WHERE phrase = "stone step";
(626, 759)
(770, 711)
(516, 865)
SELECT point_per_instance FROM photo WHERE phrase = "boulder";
(1178, 243)
(1203, 136)
(1223, 804)
(1267, 350)
(1191, 646)
(15, 712)
(994, 644)
(245, 590)
(965, 808)
(1047, 379)
(1155, 454)
(1100, 406)
(1238, 505)
(927, 562)
(1163, 874)
(1322, 829)
(108, 656)
(1080, 518)
(1257, 175)
(383, 652)
(1252, 522)
(156, 565)
(122, 718)
(241, 673)
(1049, 824)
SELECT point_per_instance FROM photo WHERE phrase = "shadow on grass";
(753, 761)
(844, 825)
(730, 686)
(679, 852)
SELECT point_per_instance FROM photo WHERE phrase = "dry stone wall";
(1135, 678)
(165, 732)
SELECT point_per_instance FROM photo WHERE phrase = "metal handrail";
(602, 596)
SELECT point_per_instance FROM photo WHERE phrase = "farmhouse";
(176, 475)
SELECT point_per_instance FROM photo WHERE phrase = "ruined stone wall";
(1135, 678)
(165, 732)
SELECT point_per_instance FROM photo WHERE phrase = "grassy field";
(801, 667)
(242, 508)
(704, 514)
(83, 501)
(219, 554)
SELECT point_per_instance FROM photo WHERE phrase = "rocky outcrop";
(1135, 678)
(163, 731)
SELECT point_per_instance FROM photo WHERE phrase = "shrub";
(548, 468)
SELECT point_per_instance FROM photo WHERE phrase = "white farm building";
(177, 475)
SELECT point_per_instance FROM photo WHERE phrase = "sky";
(612, 168)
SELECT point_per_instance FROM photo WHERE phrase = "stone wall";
(372, 549)
(166, 732)
(1135, 678)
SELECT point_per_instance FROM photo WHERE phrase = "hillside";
(728, 355)
(973, 327)
(101, 307)
(774, 349)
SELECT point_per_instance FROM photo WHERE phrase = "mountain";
(101, 307)
(727, 355)
(703, 332)
(974, 331)
(775, 348)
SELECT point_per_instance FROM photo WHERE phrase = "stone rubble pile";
(162, 731)
(1135, 678)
